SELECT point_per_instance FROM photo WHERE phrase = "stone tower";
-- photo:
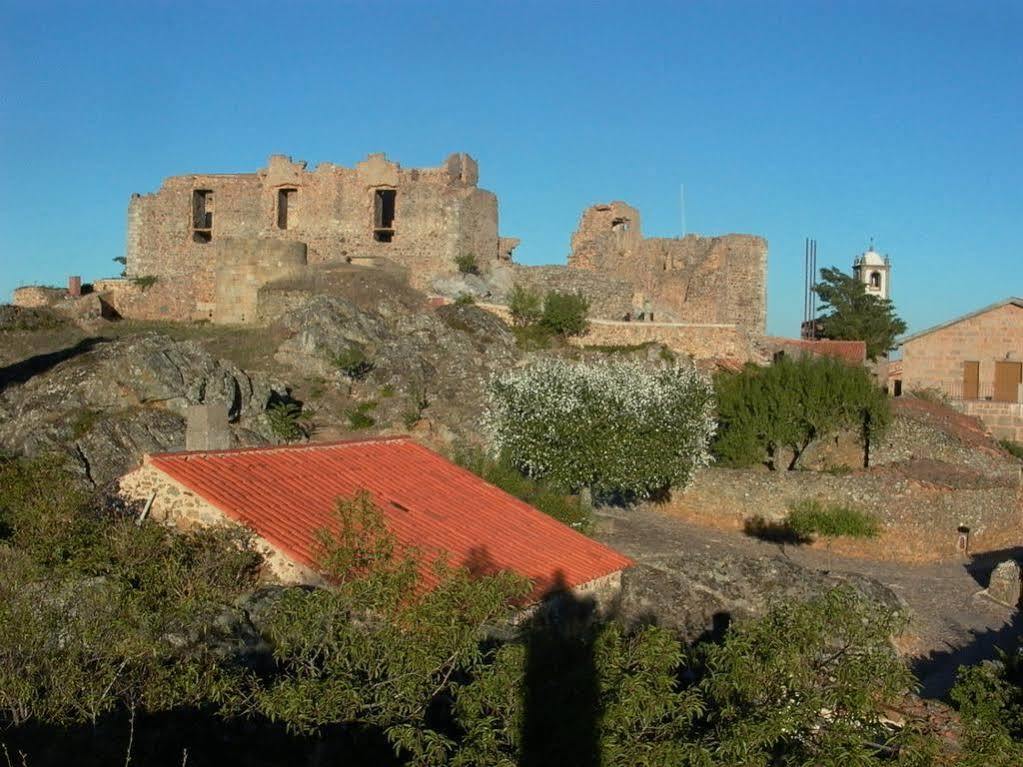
(874, 272)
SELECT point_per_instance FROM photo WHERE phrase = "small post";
(145, 510)
(963, 541)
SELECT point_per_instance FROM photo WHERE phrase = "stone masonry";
(419, 218)
(690, 279)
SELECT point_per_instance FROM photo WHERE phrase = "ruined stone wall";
(609, 297)
(35, 296)
(700, 342)
(688, 279)
(439, 214)
(935, 360)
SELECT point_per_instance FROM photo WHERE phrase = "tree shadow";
(937, 672)
(561, 695)
(19, 372)
(774, 532)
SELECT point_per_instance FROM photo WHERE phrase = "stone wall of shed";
(174, 504)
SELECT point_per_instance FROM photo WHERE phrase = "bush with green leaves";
(501, 472)
(989, 697)
(286, 421)
(467, 263)
(812, 517)
(359, 416)
(465, 299)
(525, 305)
(773, 414)
(564, 314)
(615, 426)
(353, 362)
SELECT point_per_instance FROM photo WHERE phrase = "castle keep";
(262, 225)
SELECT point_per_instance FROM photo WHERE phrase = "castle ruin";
(255, 227)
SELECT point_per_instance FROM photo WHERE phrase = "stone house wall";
(935, 359)
(689, 279)
(439, 214)
(176, 505)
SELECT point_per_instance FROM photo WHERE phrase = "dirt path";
(951, 623)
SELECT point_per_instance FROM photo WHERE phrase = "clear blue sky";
(786, 119)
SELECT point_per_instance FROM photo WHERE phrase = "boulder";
(1005, 583)
(699, 593)
(112, 401)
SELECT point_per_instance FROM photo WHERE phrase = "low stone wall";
(174, 504)
(36, 296)
(701, 342)
(1004, 419)
(609, 297)
(159, 301)
(925, 515)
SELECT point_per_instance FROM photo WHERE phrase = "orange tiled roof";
(854, 352)
(286, 494)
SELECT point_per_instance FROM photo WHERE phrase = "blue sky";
(835, 120)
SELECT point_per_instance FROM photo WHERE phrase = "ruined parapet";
(243, 266)
(691, 279)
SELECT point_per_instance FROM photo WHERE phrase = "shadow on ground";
(19, 372)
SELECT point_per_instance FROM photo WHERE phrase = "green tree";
(849, 313)
(525, 305)
(773, 414)
(564, 314)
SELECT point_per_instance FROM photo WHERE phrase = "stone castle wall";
(689, 279)
(609, 296)
(439, 214)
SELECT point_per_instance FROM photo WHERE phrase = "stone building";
(255, 227)
(975, 360)
(286, 495)
(720, 280)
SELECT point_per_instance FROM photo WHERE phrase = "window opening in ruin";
(620, 225)
(285, 200)
(202, 215)
(875, 279)
(383, 214)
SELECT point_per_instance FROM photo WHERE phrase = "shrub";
(146, 282)
(565, 313)
(353, 362)
(615, 426)
(467, 263)
(811, 517)
(791, 404)
(1013, 448)
(531, 338)
(465, 299)
(525, 306)
(359, 417)
(502, 473)
(930, 394)
(285, 421)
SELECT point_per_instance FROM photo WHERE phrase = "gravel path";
(951, 622)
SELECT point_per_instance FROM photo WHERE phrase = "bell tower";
(874, 272)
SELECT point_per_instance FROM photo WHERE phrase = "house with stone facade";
(286, 494)
(975, 360)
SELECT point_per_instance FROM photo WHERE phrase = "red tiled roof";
(854, 352)
(286, 494)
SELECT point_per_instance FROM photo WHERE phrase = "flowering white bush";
(618, 427)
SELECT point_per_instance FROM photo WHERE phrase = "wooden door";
(1008, 376)
(971, 380)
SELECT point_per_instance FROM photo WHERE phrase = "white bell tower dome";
(874, 272)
